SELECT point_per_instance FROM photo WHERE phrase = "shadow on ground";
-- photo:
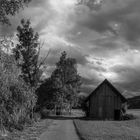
(63, 117)
(79, 118)
(69, 118)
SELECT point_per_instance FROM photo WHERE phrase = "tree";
(63, 85)
(27, 53)
(67, 75)
(10, 7)
(16, 97)
(45, 93)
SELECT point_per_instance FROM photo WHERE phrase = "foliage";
(27, 53)
(63, 85)
(10, 7)
(44, 112)
(16, 97)
(66, 78)
(46, 94)
(128, 117)
(81, 102)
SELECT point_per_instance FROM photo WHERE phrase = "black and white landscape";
(54, 57)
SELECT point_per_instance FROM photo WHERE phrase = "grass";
(30, 132)
(108, 130)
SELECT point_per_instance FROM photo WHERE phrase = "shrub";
(37, 117)
(17, 99)
(44, 112)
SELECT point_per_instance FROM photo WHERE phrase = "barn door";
(117, 114)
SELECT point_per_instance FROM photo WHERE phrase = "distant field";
(135, 112)
(109, 130)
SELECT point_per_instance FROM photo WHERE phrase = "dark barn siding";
(104, 101)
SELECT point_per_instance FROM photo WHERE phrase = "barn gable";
(106, 82)
(105, 102)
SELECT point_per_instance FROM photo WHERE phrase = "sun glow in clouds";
(69, 2)
(109, 75)
(59, 6)
(60, 23)
(106, 64)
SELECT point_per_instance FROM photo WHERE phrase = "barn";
(105, 102)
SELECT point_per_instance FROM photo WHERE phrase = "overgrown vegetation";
(27, 53)
(16, 97)
(19, 77)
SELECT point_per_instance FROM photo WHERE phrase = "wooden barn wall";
(103, 103)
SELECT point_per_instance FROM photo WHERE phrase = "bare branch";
(42, 62)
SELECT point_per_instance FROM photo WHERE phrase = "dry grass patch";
(30, 132)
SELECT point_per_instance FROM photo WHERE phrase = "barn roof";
(112, 87)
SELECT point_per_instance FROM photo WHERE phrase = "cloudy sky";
(103, 35)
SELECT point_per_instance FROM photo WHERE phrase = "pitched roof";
(112, 87)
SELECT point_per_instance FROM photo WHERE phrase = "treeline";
(134, 102)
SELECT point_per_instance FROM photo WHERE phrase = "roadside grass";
(108, 130)
(30, 132)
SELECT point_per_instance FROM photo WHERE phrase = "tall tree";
(46, 94)
(67, 78)
(27, 53)
(10, 7)
(65, 82)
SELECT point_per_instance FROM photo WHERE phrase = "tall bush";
(16, 97)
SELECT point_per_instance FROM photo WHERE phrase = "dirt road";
(60, 130)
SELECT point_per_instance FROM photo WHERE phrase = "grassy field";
(109, 130)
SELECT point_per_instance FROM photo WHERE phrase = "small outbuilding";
(105, 102)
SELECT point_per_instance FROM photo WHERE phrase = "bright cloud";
(60, 23)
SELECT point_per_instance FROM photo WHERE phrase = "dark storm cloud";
(88, 85)
(97, 66)
(120, 69)
(55, 54)
(126, 15)
(129, 77)
(88, 81)
(107, 47)
(108, 43)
